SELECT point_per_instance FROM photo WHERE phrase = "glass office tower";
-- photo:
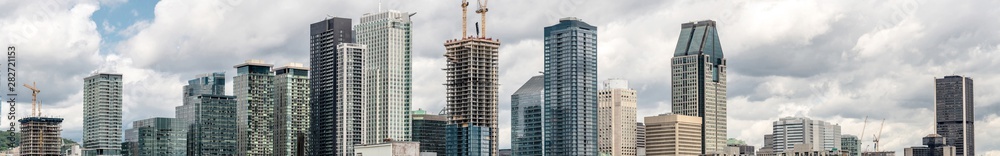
(526, 118)
(699, 82)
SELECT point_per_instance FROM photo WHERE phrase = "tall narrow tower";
(472, 95)
(616, 118)
(291, 113)
(387, 75)
(699, 80)
(324, 37)
(570, 109)
(953, 107)
(102, 114)
(254, 91)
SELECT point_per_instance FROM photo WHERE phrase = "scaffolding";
(472, 84)
(40, 136)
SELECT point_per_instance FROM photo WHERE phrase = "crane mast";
(35, 110)
(465, 21)
(482, 12)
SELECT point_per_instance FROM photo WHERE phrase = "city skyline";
(832, 66)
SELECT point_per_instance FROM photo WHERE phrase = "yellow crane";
(482, 11)
(465, 10)
(35, 110)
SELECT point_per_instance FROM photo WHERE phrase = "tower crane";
(482, 12)
(862, 139)
(879, 136)
(35, 110)
(465, 21)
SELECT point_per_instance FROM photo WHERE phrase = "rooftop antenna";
(379, 5)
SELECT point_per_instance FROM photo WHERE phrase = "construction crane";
(879, 136)
(482, 12)
(465, 21)
(35, 110)
(862, 139)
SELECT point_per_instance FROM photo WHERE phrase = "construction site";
(40, 136)
(472, 88)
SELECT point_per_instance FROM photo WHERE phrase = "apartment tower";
(102, 114)
(570, 109)
(324, 37)
(253, 87)
(291, 113)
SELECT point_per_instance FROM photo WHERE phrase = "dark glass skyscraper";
(953, 107)
(428, 129)
(324, 37)
(698, 72)
(570, 109)
(526, 118)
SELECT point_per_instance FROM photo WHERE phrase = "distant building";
(640, 139)
(349, 101)
(768, 147)
(388, 75)
(883, 153)
(324, 37)
(954, 109)
(429, 129)
(570, 88)
(157, 136)
(672, 134)
(102, 113)
(934, 145)
(850, 143)
(806, 151)
(291, 113)
(253, 87)
(699, 82)
(526, 118)
(388, 148)
(473, 83)
(505, 152)
(791, 132)
(208, 116)
(42, 136)
(616, 118)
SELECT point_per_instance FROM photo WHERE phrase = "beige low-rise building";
(672, 134)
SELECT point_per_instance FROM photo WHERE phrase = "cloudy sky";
(837, 61)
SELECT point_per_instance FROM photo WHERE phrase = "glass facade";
(475, 143)
(570, 109)
(208, 117)
(324, 36)
(428, 129)
(526, 118)
(387, 75)
(954, 115)
(158, 136)
(698, 80)
(102, 114)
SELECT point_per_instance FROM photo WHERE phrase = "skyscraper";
(428, 129)
(954, 115)
(850, 143)
(790, 132)
(208, 116)
(102, 114)
(254, 91)
(324, 37)
(157, 136)
(526, 118)
(673, 134)
(472, 88)
(387, 76)
(640, 139)
(349, 96)
(616, 118)
(699, 81)
(291, 113)
(570, 109)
